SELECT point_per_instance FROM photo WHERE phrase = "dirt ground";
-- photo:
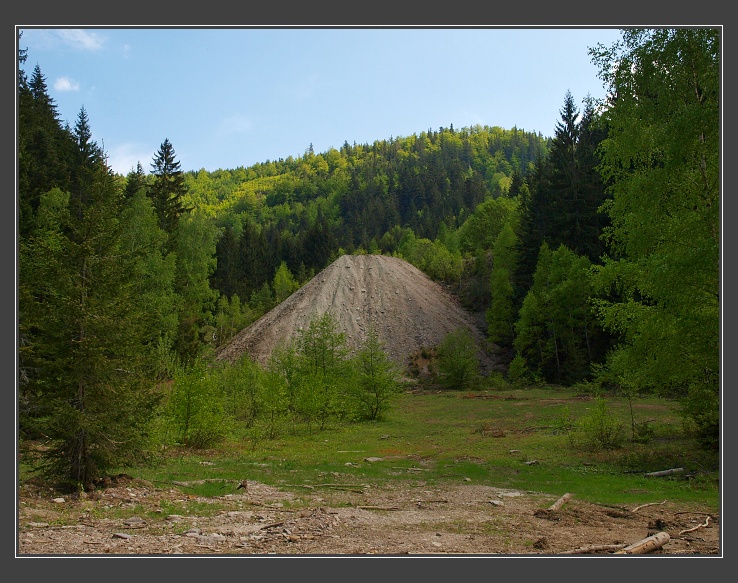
(464, 519)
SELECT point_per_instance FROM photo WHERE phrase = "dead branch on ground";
(594, 549)
(637, 508)
(703, 525)
(664, 473)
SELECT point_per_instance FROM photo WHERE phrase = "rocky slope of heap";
(408, 310)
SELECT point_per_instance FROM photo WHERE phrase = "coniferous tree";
(89, 390)
(45, 149)
(377, 381)
(167, 189)
(87, 160)
(135, 181)
(562, 205)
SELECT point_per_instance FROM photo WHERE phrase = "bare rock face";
(407, 309)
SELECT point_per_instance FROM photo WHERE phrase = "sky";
(234, 97)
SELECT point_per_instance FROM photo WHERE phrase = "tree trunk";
(646, 545)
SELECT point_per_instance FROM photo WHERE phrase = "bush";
(458, 363)
(701, 412)
(598, 430)
(195, 409)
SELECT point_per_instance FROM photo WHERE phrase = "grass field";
(546, 440)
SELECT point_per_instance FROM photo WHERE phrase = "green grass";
(483, 438)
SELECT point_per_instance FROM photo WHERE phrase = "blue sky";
(230, 97)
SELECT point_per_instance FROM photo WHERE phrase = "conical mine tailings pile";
(407, 309)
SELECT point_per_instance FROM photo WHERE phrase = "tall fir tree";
(168, 187)
(87, 390)
(562, 206)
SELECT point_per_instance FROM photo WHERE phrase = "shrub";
(195, 408)
(458, 363)
(701, 412)
(598, 430)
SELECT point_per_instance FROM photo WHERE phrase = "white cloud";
(66, 84)
(83, 39)
(124, 158)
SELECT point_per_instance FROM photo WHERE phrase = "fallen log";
(663, 473)
(560, 502)
(594, 549)
(646, 545)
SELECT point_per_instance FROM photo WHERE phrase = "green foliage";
(274, 403)
(482, 228)
(701, 411)
(377, 379)
(501, 314)
(458, 361)
(599, 429)
(88, 381)
(555, 324)
(432, 257)
(196, 408)
(167, 189)
(660, 288)
(196, 238)
(231, 317)
(323, 370)
(242, 384)
(517, 371)
(153, 277)
(284, 283)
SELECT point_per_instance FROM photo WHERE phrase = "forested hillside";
(594, 253)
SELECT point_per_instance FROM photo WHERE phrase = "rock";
(134, 521)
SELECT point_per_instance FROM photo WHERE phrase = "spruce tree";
(135, 181)
(168, 187)
(88, 389)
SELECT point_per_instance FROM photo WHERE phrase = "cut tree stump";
(648, 544)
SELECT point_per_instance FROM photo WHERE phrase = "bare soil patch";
(413, 519)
